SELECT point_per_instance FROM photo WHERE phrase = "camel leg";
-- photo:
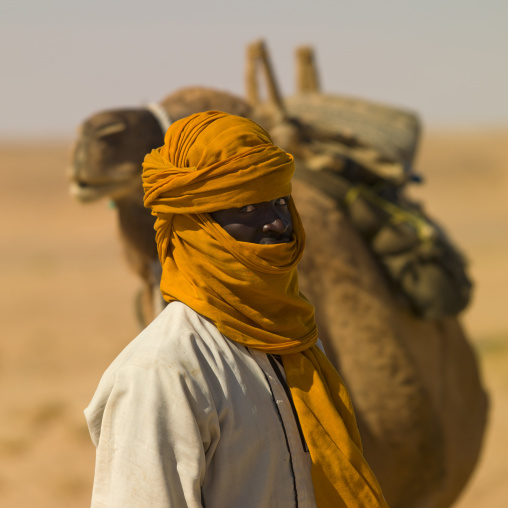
(158, 303)
(144, 306)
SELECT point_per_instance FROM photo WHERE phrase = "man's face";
(268, 222)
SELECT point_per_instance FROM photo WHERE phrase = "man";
(225, 400)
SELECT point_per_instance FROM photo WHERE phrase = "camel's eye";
(247, 208)
(110, 129)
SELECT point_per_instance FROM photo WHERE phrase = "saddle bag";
(418, 257)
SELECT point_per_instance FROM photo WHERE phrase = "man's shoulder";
(177, 335)
(175, 352)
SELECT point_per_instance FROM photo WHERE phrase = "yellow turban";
(213, 161)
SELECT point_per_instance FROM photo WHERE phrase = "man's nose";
(278, 225)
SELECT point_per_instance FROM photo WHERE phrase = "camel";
(415, 384)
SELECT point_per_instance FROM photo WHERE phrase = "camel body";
(418, 398)
(415, 385)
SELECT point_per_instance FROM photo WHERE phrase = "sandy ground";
(67, 309)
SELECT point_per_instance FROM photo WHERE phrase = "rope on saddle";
(424, 230)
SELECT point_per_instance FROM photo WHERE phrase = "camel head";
(107, 156)
(111, 145)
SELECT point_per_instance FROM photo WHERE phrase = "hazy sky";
(62, 60)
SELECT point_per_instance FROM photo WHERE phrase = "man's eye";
(247, 209)
(282, 201)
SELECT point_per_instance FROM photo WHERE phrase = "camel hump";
(189, 100)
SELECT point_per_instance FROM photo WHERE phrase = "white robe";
(185, 417)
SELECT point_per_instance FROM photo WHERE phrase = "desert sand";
(68, 308)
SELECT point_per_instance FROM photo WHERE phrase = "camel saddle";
(361, 154)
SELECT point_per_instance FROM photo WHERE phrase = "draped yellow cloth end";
(213, 161)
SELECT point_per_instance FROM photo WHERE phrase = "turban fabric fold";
(213, 161)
